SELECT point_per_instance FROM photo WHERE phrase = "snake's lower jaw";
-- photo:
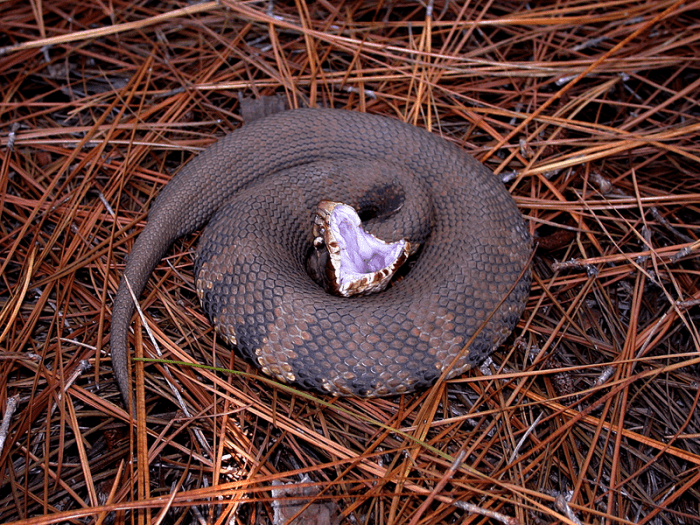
(358, 262)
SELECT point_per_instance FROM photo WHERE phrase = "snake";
(256, 191)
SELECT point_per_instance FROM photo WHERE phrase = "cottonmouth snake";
(257, 187)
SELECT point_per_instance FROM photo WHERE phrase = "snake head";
(358, 263)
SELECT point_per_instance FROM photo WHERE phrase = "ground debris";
(301, 511)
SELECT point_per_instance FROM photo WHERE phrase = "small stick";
(10, 408)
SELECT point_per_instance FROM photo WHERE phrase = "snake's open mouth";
(359, 263)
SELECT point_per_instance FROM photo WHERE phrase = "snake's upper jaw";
(359, 263)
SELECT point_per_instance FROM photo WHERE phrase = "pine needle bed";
(589, 112)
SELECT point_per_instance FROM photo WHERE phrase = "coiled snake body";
(257, 189)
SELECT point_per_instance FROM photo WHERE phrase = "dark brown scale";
(257, 188)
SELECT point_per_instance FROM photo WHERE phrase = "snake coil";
(256, 190)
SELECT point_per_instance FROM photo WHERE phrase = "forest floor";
(589, 112)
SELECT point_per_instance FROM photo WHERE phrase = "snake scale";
(256, 189)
